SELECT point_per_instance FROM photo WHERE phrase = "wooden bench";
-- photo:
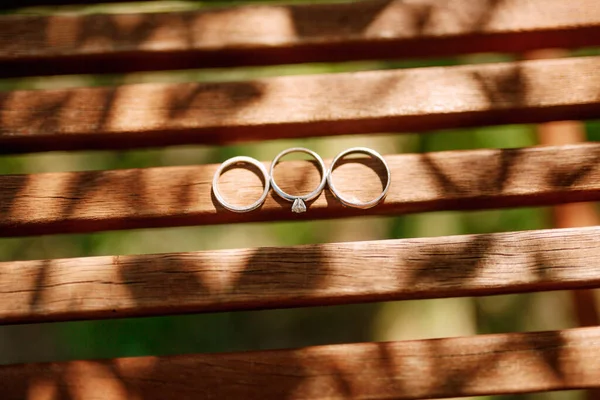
(399, 100)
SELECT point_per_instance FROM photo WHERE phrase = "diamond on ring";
(298, 206)
(299, 202)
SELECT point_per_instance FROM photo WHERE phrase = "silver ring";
(346, 202)
(241, 160)
(299, 205)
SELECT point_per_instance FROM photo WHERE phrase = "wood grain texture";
(299, 276)
(378, 101)
(465, 366)
(259, 35)
(19, 4)
(92, 201)
(572, 215)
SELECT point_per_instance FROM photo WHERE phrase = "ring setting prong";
(298, 207)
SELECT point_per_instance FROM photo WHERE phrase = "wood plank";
(72, 202)
(299, 276)
(378, 101)
(19, 4)
(464, 366)
(275, 34)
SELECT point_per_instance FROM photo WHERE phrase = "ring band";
(299, 205)
(346, 202)
(241, 160)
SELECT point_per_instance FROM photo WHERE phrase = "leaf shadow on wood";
(355, 19)
(430, 368)
(131, 191)
(457, 373)
(439, 263)
(183, 286)
(337, 20)
(560, 177)
(183, 40)
(241, 277)
(11, 190)
(488, 177)
(76, 118)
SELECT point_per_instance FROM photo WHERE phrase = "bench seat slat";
(464, 366)
(280, 277)
(145, 115)
(72, 202)
(261, 35)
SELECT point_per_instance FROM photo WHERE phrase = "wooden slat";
(280, 277)
(400, 100)
(465, 366)
(19, 4)
(258, 35)
(180, 196)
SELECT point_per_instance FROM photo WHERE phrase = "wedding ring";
(357, 204)
(234, 161)
(299, 205)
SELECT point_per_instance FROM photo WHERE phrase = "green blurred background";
(274, 328)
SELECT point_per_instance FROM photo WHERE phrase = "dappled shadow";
(587, 164)
(36, 301)
(371, 18)
(222, 280)
(82, 187)
(489, 176)
(153, 280)
(281, 277)
(46, 118)
(472, 176)
(226, 99)
(290, 277)
(336, 20)
(299, 272)
(109, 32)
(241, 279)
(126, 116)
(106, 105)
(44, 382)
(514, 363)
(257, 35)
(443, 180)
(102, 200)
(171, 114)
(487, 365)
(450, 263)
(505, 88)
(12, 187)
(482, 179)
(508, 158)
(35, 113)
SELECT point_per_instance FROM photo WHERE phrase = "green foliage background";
(273, 328)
